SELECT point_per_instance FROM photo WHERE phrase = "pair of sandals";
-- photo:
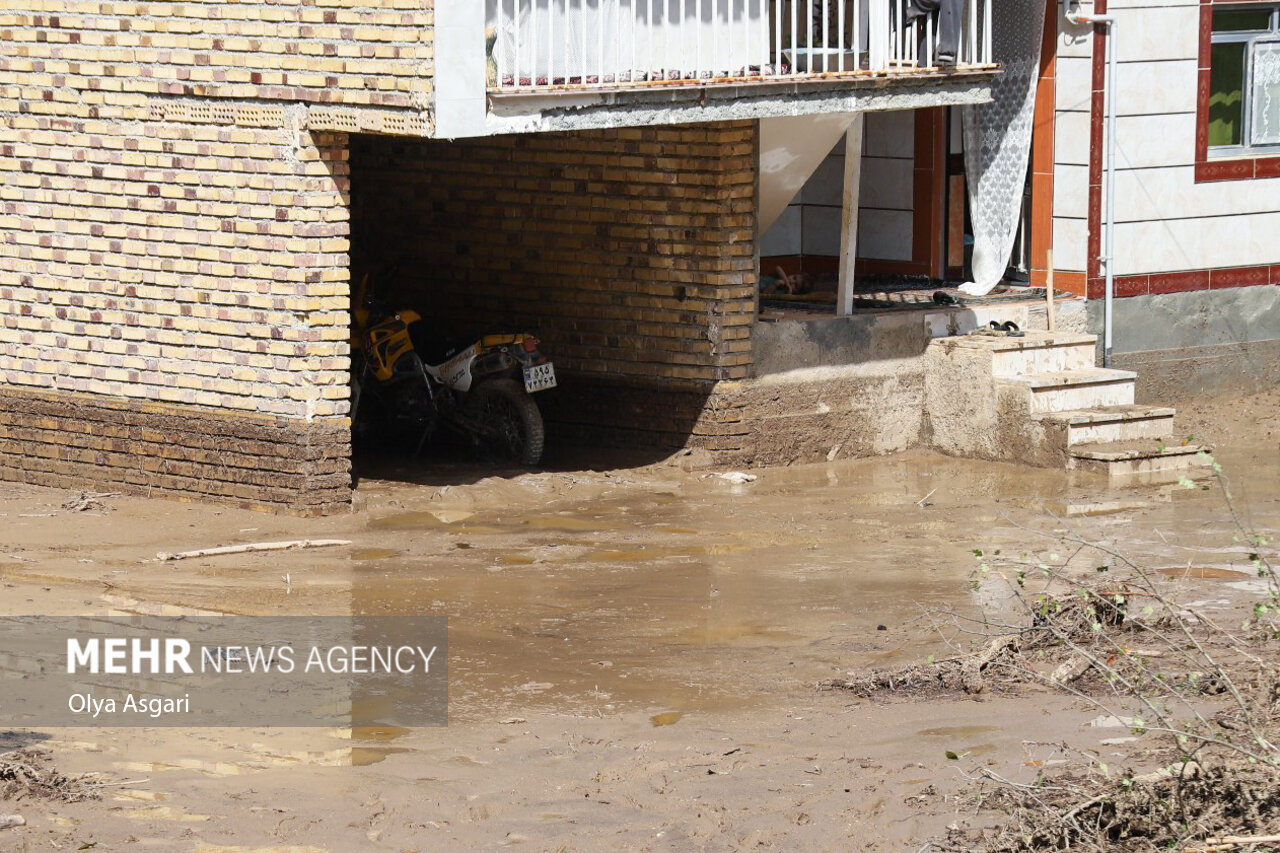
(1007, 329)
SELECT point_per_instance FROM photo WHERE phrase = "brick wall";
(359, 64)
(202, 267)
(632, 252)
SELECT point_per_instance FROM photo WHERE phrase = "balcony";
(510, 66)
(557, 45)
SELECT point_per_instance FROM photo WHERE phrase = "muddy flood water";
(633, 653)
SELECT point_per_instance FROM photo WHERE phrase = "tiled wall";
(811, 224)
(888, 181)
(1166, 221)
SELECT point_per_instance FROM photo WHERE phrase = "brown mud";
(635, 653)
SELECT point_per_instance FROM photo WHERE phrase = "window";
(1244, 80)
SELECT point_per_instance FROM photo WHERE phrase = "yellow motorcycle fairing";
(387, 342)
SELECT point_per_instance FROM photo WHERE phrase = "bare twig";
(292, 544)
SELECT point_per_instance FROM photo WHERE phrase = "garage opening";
(630, 255)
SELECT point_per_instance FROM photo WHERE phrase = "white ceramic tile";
(1152, 194)
(1075, 39)
(1071, 191)
(1182, 244)
(1153, 34)
(884, 234)
(1173, 194)
(821, 230)
(1073, 83)
(1070, 246)
(783, 237)
(826, 184)
(1127, 5)
(891, 134)
(887, 184)
(1148, 88)
(1160, 246)
(1071, 139)
(1155, 140)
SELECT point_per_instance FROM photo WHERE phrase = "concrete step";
(1033, 352)
(1081, 388)
(1113, 423)
(1132, 462)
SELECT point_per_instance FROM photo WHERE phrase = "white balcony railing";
(541, 44)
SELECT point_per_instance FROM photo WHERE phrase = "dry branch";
(1231, 842)
(293, 544)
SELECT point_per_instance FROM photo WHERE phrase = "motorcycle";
(419, 382)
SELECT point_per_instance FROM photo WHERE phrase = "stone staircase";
(1040, 399)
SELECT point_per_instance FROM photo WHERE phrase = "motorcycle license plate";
(539, 377)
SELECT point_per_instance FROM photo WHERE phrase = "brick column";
(175, 309)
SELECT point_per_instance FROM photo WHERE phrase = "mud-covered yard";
(635, 653)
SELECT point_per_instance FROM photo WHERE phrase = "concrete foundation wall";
(1196, 343)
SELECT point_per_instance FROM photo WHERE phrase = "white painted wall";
(1166, 222)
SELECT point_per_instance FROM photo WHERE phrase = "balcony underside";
(570, 108)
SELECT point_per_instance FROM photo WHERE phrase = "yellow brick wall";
(632, 252)
(358, 64)
(192, 264)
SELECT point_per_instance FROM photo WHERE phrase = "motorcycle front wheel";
(508, 420)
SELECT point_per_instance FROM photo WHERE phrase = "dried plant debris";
(1053, 648)
(89, 502)
(1185, 806)
(29, 774)
(1208, 696)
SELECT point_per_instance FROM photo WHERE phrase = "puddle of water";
(672, 587)
(638, 555)
(363, 756)
(433, 520)
(1203, 573)
(569, 523)
(958, 731)
(1093, 509)
(406, 521)
(667, 718)
(362, 555)
(379, 734)
(450, 516)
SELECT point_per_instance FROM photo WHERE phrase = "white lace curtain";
(1266, 94)
(997, 140)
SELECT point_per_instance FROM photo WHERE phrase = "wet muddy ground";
(634, 652)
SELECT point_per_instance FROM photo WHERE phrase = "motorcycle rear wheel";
(509, 420)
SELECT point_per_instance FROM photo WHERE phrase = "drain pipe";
(1075, 16)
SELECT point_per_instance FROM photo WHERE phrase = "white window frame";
(1249, 38)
